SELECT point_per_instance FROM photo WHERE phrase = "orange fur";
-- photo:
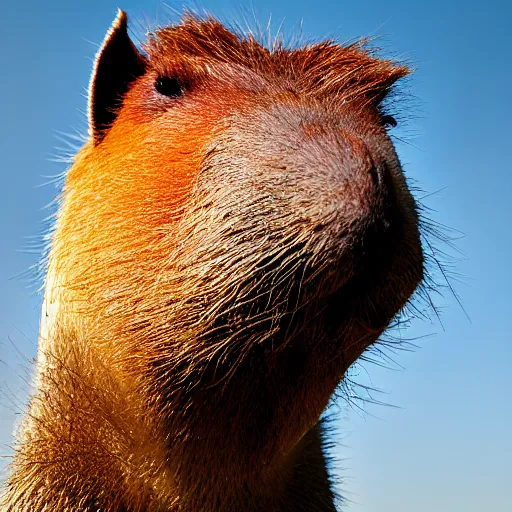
(223, 253)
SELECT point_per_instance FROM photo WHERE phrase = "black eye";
(169, 86)
(389, 121)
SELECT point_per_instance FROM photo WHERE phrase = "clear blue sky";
(447, 446)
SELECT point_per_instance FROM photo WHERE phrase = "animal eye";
(389, 121)
(169, 86)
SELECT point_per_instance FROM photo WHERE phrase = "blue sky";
(446, 446)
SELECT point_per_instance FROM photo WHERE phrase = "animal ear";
(118, 63)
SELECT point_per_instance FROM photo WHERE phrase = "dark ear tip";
(120, 24)
(121, 20)
(117, 64)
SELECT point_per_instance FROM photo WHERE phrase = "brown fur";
(219, 261)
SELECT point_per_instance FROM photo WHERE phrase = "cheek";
(151, 167)
(142, 173)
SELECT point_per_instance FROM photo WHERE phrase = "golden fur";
(222, 254)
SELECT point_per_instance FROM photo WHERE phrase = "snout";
(318, 194)
(352, 190)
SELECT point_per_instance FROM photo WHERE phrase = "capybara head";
(236, 232)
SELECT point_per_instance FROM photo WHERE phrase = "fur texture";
(223, 253)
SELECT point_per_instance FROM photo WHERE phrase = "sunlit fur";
(219, 261)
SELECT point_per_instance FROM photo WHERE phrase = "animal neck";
(85, 437)
(93, 435)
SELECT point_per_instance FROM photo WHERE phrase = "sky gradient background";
(446, 446)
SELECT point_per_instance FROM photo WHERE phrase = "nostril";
(375, 175)
(380, 176)
(386, 187)
(360, 162)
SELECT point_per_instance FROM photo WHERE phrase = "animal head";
(236, 232)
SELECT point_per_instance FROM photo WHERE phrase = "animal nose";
(360, 187)
(356, 190)
(358, 160)
(373, 223)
